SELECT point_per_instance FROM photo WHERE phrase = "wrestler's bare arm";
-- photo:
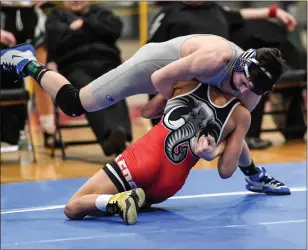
(229, 160)
(204, 63)
(154, 108)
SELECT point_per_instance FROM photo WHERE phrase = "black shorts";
(114, 173)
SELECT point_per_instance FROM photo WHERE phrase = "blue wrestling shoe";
(263, 183)
(16, 58)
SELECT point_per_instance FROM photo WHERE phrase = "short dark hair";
(271, 60)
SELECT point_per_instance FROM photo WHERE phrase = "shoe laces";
(266, 179)
(8, 67)
(115, 205)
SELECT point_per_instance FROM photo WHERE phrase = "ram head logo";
(187, 117)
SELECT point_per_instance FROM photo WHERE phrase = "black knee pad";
(68, 100)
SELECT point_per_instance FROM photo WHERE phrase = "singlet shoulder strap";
(218, 78)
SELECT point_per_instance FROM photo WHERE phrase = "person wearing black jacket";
(20, 22)
(81, 44)
(206, 17)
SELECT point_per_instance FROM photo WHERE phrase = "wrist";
(272, 11)
(216, 153)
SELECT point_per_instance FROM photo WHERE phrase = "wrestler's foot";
(263, 183)
(16, 58)
(127, 204)
(139, 197)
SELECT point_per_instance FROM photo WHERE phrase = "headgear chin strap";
(243, 63)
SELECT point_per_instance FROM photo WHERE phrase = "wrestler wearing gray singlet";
(134, 75)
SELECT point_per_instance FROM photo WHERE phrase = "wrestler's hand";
(7, 38)
(287, 19)
(77, 24)
(205, 147)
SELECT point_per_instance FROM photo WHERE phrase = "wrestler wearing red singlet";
(154, 171)
(160, 161)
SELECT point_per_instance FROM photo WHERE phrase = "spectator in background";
(206, 17)
(23, 22)
(81, 44)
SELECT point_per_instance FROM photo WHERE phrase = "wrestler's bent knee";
(71, 212)
(69, 101)
(225, 173)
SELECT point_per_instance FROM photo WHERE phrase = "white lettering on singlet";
(125, 171)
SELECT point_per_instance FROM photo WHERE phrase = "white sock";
(101, 202)
(48, 123)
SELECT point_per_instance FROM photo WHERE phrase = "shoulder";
(213, 51)
(216, 45)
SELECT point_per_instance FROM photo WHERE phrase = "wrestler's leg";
(44, 103)
(131, 78)
(257, 179)
(100, 196)
(82, 203)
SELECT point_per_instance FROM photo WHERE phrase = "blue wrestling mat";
(208, 213)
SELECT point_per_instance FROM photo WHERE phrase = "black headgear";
(263, 82)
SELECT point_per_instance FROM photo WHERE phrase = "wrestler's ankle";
(249, 170)
(36, 70)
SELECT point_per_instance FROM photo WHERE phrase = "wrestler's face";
(241, 83)
(77, 6)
